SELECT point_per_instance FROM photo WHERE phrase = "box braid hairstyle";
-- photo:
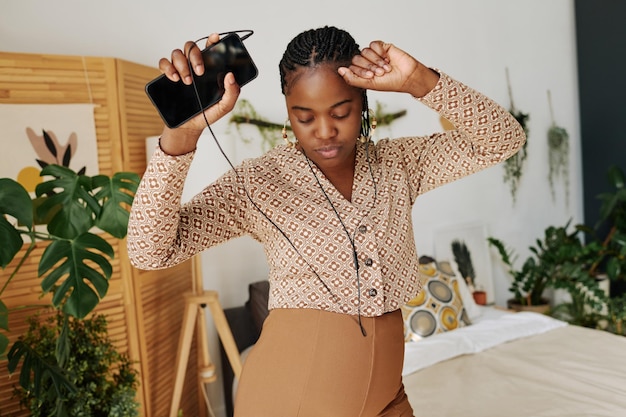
(326, 45)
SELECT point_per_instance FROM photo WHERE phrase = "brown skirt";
(314, 363)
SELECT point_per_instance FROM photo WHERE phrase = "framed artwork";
(466, 247)
(35, 135)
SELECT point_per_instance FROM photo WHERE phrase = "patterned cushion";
(438, 307)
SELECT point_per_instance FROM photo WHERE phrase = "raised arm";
(159, 229)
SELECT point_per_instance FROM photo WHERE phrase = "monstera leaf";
(15, 202)
(73, 259)
(37, 368)
(116, 193)
(77, 272)
(75, 267)
(68, 197)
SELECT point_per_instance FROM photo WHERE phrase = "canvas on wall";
(466, 247)
(35, 135)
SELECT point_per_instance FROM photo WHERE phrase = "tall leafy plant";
(68, 211)
(613, 216)
(105, 379)
(559, 260)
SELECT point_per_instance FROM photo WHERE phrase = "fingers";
(231, 94)
(379, 48)
(376, 55)
(222, 107)
(194, 57)
(372, 61)
(178, 66)
(213, 38)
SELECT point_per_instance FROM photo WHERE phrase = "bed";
(498, 363)
(517, 364)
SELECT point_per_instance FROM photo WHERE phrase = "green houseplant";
(559, 260)
(575, 261)
(105, 380)
(612, 245)
(67, 213)
(609, 249)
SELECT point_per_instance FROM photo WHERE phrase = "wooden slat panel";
(44, 79)
(123, 117)
(162, 293)
(158, 310)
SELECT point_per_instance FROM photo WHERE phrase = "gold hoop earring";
(289, 143)
(371, 118)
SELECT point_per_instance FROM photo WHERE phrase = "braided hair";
(316, 46)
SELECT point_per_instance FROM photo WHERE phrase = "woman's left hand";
(384, 67)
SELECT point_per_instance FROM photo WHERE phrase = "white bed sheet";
(493, 327)
(570, 371)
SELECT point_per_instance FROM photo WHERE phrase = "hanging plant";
(513, 166)
(245, 113)
(558, 152)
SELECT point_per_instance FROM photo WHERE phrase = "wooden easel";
(196, 301)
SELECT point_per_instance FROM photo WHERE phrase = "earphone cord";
(242, 181)
(345, 229)
(350, 238)
(256, 206)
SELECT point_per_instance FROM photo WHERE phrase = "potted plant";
(67, 213)
(104, 379)
(612, 245)
(559, 260)
(576, 261)
(606, 242)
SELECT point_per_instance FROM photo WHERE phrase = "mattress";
(522, 364)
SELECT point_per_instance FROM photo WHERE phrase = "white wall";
(473, 41)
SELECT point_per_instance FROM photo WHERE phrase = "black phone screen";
(177, 102)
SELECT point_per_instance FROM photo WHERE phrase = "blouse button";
(362, 228)
(369, 262)
(372, 292)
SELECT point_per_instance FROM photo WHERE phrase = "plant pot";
(542, 308)
(480, 297)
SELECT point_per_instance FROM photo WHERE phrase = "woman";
(333, 212)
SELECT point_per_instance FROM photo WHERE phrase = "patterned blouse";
(310, 246)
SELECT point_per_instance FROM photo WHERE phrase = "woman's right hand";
(184, 138)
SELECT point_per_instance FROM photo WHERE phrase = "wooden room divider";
(143, 308)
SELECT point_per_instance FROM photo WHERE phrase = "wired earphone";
(365, 132)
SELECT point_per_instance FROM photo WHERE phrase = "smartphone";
(177, 102)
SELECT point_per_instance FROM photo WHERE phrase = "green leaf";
(62, 345)
(34, 365)
(4, 316)
(11, 240)
(613, 268)
(616, 177)
(15, 202)
(69, 195)
(74, 260)
(4, 343)
(116, 195)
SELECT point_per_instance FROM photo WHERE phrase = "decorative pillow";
(438, 307)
